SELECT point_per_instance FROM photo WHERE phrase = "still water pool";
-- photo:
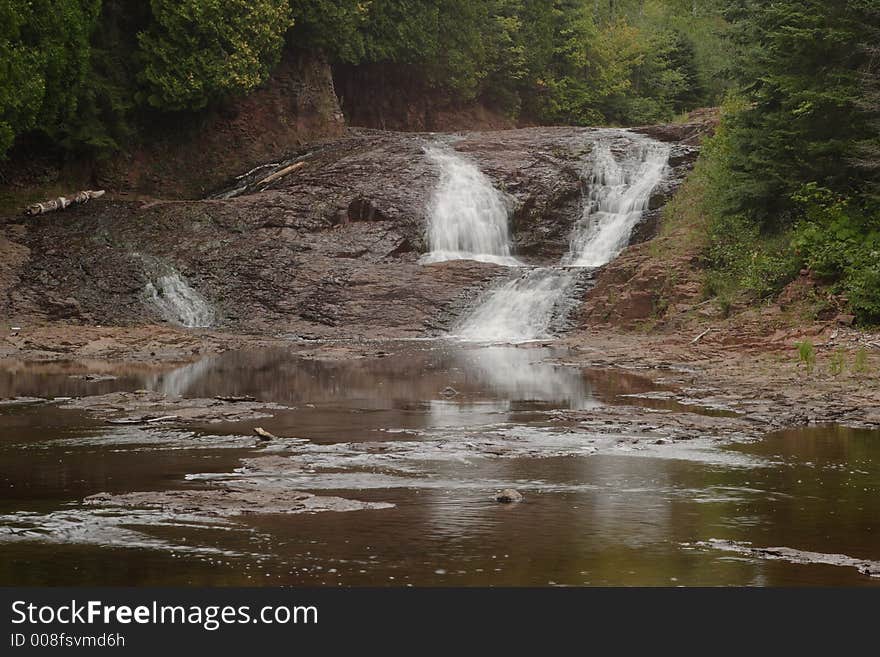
(431, 430)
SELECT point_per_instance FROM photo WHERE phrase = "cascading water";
(178, 302)
(520, 309)
(620, 192)
(523, 308)
(467, 217)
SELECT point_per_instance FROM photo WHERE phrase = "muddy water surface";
(615, 492)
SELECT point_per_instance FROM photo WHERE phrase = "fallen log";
(278, 174)
(63, 202)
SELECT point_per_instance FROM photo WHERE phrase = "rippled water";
(433, 429)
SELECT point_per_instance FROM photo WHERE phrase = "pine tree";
(801, 72)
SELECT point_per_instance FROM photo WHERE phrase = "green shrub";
(755, 264)
(839, 240)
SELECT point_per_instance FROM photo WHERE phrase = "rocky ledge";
(326, 245)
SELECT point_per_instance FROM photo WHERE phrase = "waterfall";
(620, 192)
(178, 302)
(523, 308)
(467, 216)
(519, 309)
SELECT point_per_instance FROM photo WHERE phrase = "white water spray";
(620, 193)
(178, 302)
(520, 309)
(467, 216)
(523, 308)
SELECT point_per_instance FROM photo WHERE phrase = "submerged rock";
(144, 407)
(509, 496)
(229, 501)
(864, 566)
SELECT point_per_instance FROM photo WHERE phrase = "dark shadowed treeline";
(87, 75)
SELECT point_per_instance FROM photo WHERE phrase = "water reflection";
(178, 382)
(435, 429)
(522, 374)
(416, 388)
(416, 373)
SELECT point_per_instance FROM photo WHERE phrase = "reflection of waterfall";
(178, 302)
(449, 414)
(619, 195)
(512, 376)
(524, 308)
(467, 215)
(527, 375)
(177, 382)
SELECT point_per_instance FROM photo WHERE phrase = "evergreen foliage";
(198, 51)
(44, 62)
(86, 73)
(799, 64)
(795, 164)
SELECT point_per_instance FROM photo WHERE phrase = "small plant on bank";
(838, 362)
(806, 354)
(860, 366)
(659, 308)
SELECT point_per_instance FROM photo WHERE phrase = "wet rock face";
(330, 249)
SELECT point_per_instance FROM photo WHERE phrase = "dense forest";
(90, 75)
(790, 181)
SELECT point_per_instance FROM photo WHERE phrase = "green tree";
(507, 56)
(662, 76)
(800, 70)
(333, 27)
(44, 59)
(867, 152)
(107, 101)
(569, 71)
(22, 85)
(199, 51)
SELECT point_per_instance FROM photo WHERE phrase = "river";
(431, 430)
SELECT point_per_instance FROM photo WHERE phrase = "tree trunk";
(63, 202)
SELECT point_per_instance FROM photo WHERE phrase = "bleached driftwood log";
(62, 202)
(272, 177)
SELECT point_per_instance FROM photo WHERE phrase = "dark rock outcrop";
(329, 249)
(295, 107)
